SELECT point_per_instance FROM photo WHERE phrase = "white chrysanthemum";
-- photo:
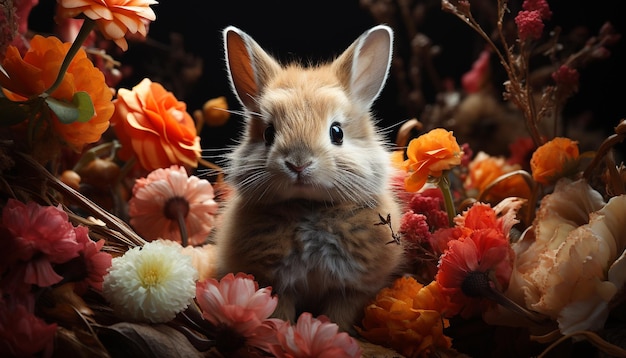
(151, 283)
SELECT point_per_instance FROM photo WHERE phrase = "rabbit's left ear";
(364, 66)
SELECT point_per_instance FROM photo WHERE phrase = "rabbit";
(311, 179)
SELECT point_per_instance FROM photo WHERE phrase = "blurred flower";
(408, 317)
(483, 172)
(215, 111)
(314, 337)
(566, 79)
(151, 283)
(554, 159)
(40, 236)
(168, 198)
(478, 76)
(36, 72)
(571, 263)
(204, 259)
(429, 155)
(237, 307)
(155, 127)
(529, 25)
(114, 18)
(22, 334)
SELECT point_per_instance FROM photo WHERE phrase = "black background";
(319, 30)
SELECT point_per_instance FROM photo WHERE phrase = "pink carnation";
(529, 25)
(40, 237)
(22, 334)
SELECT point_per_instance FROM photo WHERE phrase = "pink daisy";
(168, 202)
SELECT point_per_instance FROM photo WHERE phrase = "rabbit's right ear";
(249, 66)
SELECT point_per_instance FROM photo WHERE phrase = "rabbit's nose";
(297, 168)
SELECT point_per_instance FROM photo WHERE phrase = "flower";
(215, 111)
(539, 5)
(204, 259)
(314, 337)
(22, 333)
(554, 159)
(155, 127)
(480, 258)
(477, 77)
(529, 25)
(40, 236)
(96, 264)
(483, 172)
(166, 195)
(570, 263)
(114, 18)
(237, 306)
(151, 283)
(429, 155)
(36, 72)
(235, 301)
(566, 79)
(408, 317)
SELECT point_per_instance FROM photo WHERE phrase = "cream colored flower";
(570, 264)
(151, 283)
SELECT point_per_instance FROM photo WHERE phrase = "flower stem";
(444, 185)
(85, 30)
(180, 218)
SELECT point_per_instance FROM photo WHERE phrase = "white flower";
(151, 283)
(570, 264)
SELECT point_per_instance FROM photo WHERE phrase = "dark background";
(319, 30)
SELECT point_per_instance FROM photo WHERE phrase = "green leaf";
(12, 112)
(80, 110)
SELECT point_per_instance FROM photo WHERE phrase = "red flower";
(474, 80)
(480, 259)
(23, 334)
(529, 25)
(539, 5)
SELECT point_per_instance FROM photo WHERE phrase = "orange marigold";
(408, 318)
(114, 18)
(32, 75)
(485, 169)
(429, 155)
(155, 127)
(553, 160)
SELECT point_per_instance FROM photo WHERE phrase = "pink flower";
(41, 236)
(96, 265)
(23, 334)
(167, 195)
(539, 5)
(237, 304)
(312, 337)
(475, 79)
(566, 78)
(529, 25)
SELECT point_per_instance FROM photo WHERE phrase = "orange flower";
(485, 169)
(408, 318)
(554, 159)
(429, 155)
(36, 72)
(114, 18)
(154, 126)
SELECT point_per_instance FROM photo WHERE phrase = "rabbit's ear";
(249, 67)
(364, 66)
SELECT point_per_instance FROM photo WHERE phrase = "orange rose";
(429, 155)
(485, 169)
(554, 159)
(39, 68)
(407, 318)
(154, 126)
(114, 18)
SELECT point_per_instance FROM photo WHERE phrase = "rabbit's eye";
(269, 134)
(336, 134)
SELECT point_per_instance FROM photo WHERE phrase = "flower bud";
(215, 111)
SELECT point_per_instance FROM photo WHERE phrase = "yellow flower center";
(151, 276)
